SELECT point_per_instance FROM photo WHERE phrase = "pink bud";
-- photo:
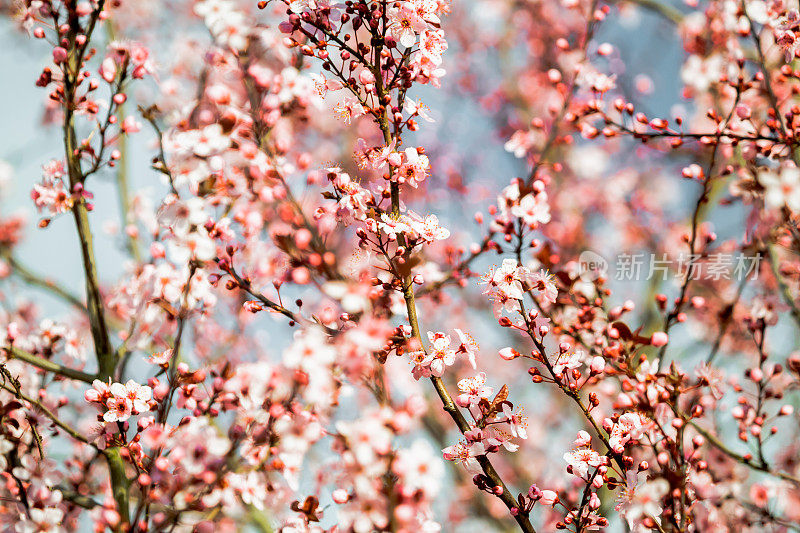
(301, 275)
(743, 111)
(91, 395)
(693, 171)
(698, 302)
(206, 526)
(12, 331)
(157, 250)
(366, 77)
(553, 75)
(83, 9)
(302, 238)
(509, 354)
(130, 125)
(583, 439)
(549, 497)
(160, 391)
(108, 70)
(59, 54)
(111, 517)
(659, 338)
(605, 49)
(304, 160)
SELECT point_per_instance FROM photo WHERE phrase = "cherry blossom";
(472, 390)
(427, 228)
(782, 188)
(119, 409)
(441, 353)
(517, 421)
(405, 23)
(266, 268)
(507, 279)
(465, 454)
(533, 210)
(414, 168)
(581, 460)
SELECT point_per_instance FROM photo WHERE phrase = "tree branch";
(49, 366)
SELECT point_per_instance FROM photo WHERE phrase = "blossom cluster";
(121, 401)
(340, 309)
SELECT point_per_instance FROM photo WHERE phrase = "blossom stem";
(761, 467)
(31, 278)
(172, 370)
(106, 356)
(462, 266)
(78, 499)
(786, 293)
(572, 394)
(123, 188)
(119, 481)
(72, 432)
(50, 366)
(668, 12)
(447, 401)
(697, 214)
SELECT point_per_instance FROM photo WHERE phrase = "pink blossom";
(119, 409)
(468, 346)
(441, 352)
(414, 168)
(465, 454)
(549, 497)
(472, 390)
(544, 285)
(405, 24)
(349, 109)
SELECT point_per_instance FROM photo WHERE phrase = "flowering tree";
(292, 343)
